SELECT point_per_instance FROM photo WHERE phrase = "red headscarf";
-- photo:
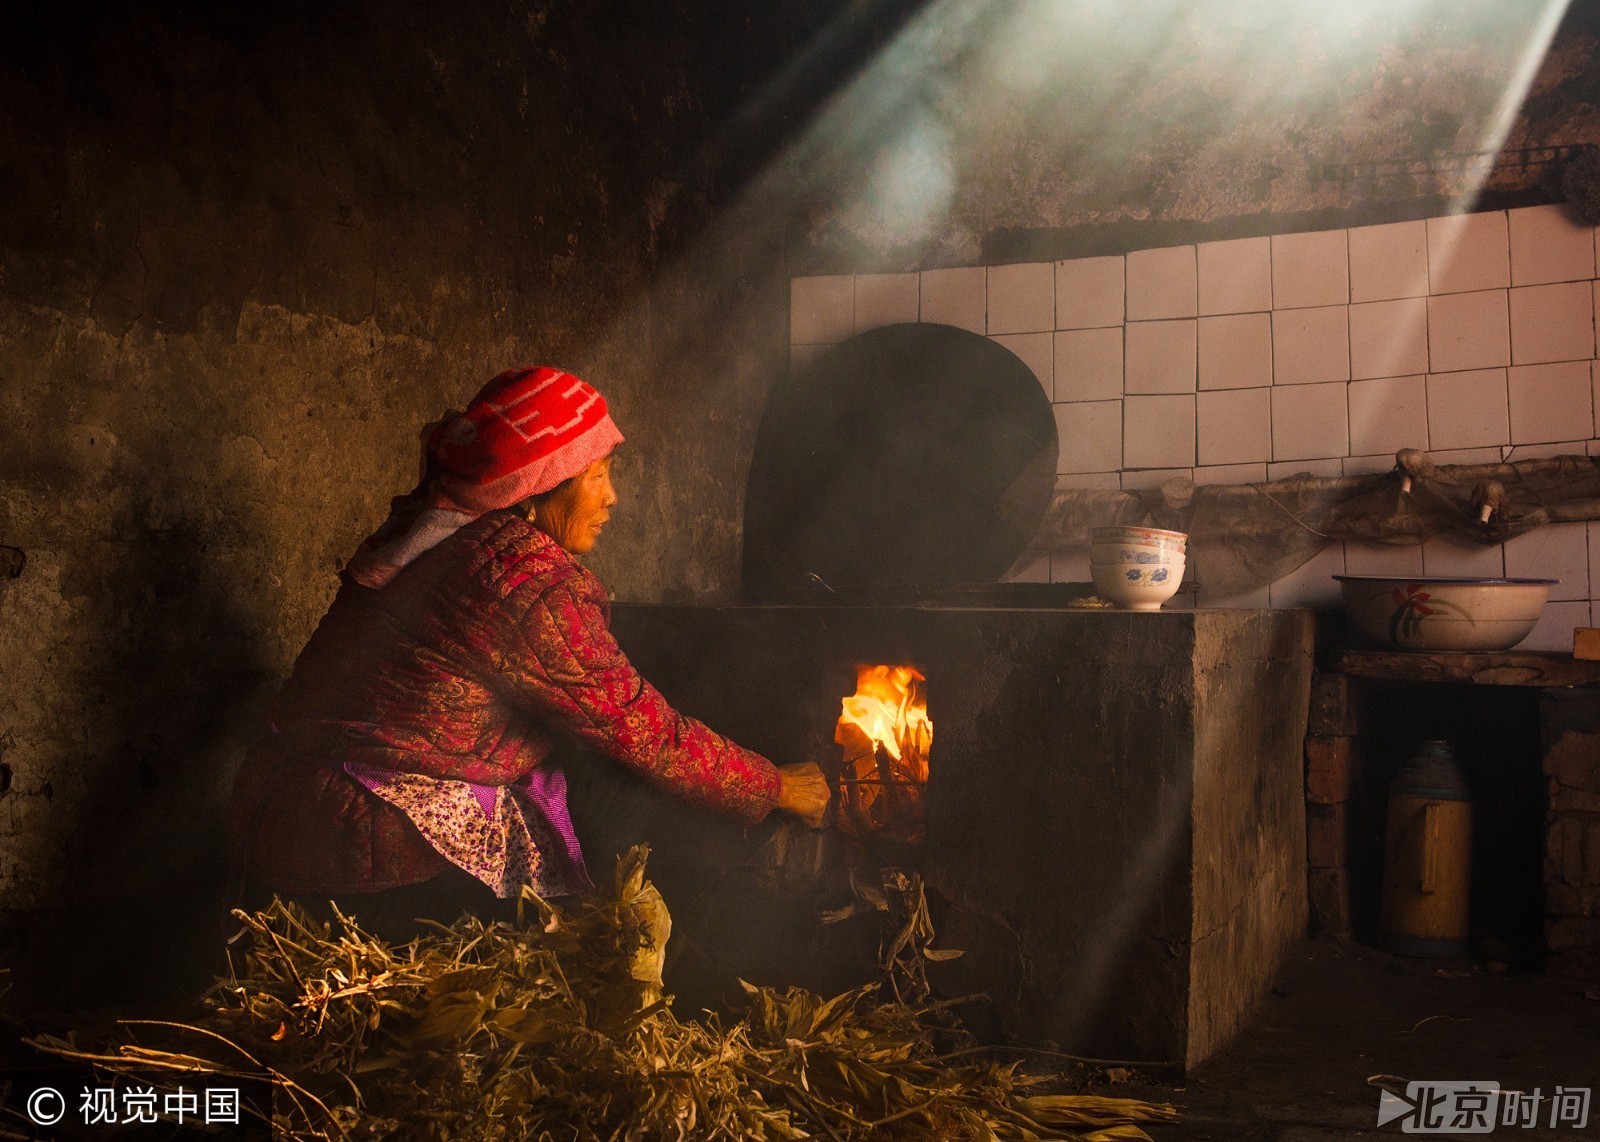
(524, 433)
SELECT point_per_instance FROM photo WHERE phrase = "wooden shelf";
(1496, 668)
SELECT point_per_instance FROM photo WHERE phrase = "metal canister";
(1427, 863)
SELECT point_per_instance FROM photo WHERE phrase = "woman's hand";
(804, 792)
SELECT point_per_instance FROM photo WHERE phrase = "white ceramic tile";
(1090, 436)
(1037, 351)
(1235, 276)
(1137, 479)
(1310, 269)
(955, 297)
(1591, 530)
(1368, 465)
(1468, 331)
(1070, 566)
(1388, 414)
(1158, 432)
(1318, 469)
(1465, 456)
(1035, 570)
(1554, 551)
(1550, 244)
(1468, 252)
(1161, 283)
(802, 355)
(1313, 583)
(1468, 410)
(1235, 351)
(1553, 631)
(1088, 364)
(1383, 559)
(1309, 422)
(1022, 298)
(1389, 338)
(1310, 346)
(1233, 426)
(821, 310)
(1549, 401)
(1092, 481)
(1552, 323)
(1230, 474)
(1389, 261)
(1451, 557)
(1544, 451)
(1160, 357)
(1089, 293)
(886, 299)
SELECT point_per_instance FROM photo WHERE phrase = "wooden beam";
(1497, 668)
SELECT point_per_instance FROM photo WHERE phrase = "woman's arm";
(569, 673)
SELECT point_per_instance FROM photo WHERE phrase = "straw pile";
(555, 1027)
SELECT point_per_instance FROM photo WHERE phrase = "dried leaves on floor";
(555, 1027)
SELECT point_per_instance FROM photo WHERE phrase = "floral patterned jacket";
(468, 668)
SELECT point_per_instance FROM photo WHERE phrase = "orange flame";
(886, 734)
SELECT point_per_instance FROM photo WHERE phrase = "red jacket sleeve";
(570, 674)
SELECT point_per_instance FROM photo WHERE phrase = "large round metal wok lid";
(910, 456)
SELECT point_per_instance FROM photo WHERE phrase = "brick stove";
(1115, 829)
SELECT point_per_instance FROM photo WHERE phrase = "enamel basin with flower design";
(1435, 613)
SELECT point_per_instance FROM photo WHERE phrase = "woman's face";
(574, 515)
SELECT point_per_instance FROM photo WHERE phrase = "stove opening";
(885, 733)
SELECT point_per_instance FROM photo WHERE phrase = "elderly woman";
(410, 764)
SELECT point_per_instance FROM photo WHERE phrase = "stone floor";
(1342, 1012)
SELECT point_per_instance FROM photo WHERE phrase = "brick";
(1586, 643)
(1330, 901)
(1330, 769)
(1563, 899)
(1334, 706)
(1326, 844)
(1563, 849)
(1572, 769)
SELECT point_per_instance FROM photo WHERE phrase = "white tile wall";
(1550, 244)
(955, 297)
(1161, 283)
(1552, 323)
(1468, 252)
(1389, 261)
(1235, 276)
(1233, 426)
(1468, 410)
(1037, 351)
(1311, 346)
(1235, 351)
(1160, 357)
(1022, 298)
(886, 299)
(1088, 364)
(1387, 415)
(1310, 269)
(1158, 432)
(1468, 331)
(1389, 338)
(1089, 293)
(1473, 336)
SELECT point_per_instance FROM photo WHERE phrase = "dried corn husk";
(555, 1027)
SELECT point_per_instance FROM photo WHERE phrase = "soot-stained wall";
(245, 252)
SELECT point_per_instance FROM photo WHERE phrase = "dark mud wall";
(245, 251)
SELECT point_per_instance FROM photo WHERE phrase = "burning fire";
(886, 734)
